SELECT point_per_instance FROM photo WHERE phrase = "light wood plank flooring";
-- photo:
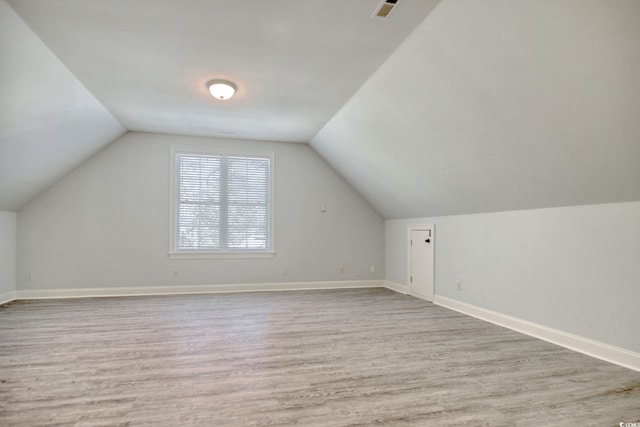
(310, 358)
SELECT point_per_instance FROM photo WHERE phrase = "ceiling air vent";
(385, 9)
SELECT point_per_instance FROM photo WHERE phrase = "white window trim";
(197, 254)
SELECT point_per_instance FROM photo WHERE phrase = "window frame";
(174, 252)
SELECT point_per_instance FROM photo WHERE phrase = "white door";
(421, 263)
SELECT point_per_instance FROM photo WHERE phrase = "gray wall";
(107, 223)
(7, 252)
(576, 269)
(49, 122)
(494, 105)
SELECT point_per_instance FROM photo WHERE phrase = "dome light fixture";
(221, 89)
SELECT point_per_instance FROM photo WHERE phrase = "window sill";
(220, 255)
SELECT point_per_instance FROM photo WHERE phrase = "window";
(222, 204)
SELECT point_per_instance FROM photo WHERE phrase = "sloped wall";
(498, 105)
(49, 122)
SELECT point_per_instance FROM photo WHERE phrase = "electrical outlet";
(340, 270)
(459, 285)
(285, 271)
(372, 268)
(175, 273)
(27, 276)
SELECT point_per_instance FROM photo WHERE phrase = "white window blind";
(222, 202)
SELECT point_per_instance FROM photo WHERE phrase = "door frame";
(421, 227)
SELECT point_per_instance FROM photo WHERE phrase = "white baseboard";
(404, 289)
(397, 287)
(609, 353)
(606, 352)
(193, 289)
(8, 297)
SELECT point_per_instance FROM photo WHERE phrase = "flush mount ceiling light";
(221, 89)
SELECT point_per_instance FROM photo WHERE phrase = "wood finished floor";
(310, 358)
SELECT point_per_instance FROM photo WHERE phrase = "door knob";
(428, 240)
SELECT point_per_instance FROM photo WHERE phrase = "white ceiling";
(295, 62)
(49, 122)
(498, 105)
(486, 106)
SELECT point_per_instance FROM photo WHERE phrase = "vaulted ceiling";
(49, 122)
(444, 108)
(498, 105)
(77, 73)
